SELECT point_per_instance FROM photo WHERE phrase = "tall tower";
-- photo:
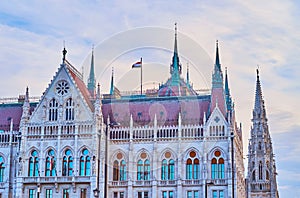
(217, 91)
(261, 164)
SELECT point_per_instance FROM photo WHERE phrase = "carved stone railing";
(260, 186)
(143, 183)
(56, 179)
(167, 182)
(118, 183)
(191, 182)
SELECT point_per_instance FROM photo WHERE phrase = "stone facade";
(76, 142)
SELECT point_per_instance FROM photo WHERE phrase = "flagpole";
(141, 76)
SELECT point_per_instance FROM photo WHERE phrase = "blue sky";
(251, 33)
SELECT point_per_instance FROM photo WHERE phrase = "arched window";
(259, 145)
(168, 167)
(192, 166)
(260, 172)
(33, 168)
(85, 163)
(67, 165)
(123, 171)
(2, 168)
(53, 110)
(70, 109)
(253, 175)
(164, 170)
(143, 167)
(119, 168)
(217, 166)
(267, 175)
(50, 168)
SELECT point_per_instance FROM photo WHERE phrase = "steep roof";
(76, 75)
(12, 111)
(166, 109)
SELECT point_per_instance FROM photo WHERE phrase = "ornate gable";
(217, 123)
(66, 98)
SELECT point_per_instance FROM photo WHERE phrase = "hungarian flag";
(137, 64)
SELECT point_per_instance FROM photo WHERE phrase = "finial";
(98, 90)
(175, 28)
(64, 52)
(217, 43)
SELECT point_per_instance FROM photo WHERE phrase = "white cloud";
(250, 33)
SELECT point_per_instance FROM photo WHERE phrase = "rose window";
(62, 88)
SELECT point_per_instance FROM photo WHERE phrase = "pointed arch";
(53, 110)
(143, 150)
(267, 175)
(253, 175)
(69, 109)
(119, 169)
(115, 153)
(167, 160)
(192, 164)
(163, 152)
(260, 170)
(143, 165)
(67, 162)
(186, 154)
(50, 162)
(33, 163)
(212, 151)
(217, 162)
(85, 162)
(62, 150)
(31, 149)
(79, 150)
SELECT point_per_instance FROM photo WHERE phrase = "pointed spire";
(258, 94)
(260, 136)
(227, 92)
(97, 104)
(98, 91)
(26, 106)
(188, 76)
(175, 44)
(112, 87)
(91, 80)
(175, 68)
(217, 63)
(27, 95)
(217, 78)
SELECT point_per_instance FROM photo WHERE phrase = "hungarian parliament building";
(165, 143)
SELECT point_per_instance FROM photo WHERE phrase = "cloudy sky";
(250, 33)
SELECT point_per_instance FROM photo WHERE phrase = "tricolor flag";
(137, 64)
